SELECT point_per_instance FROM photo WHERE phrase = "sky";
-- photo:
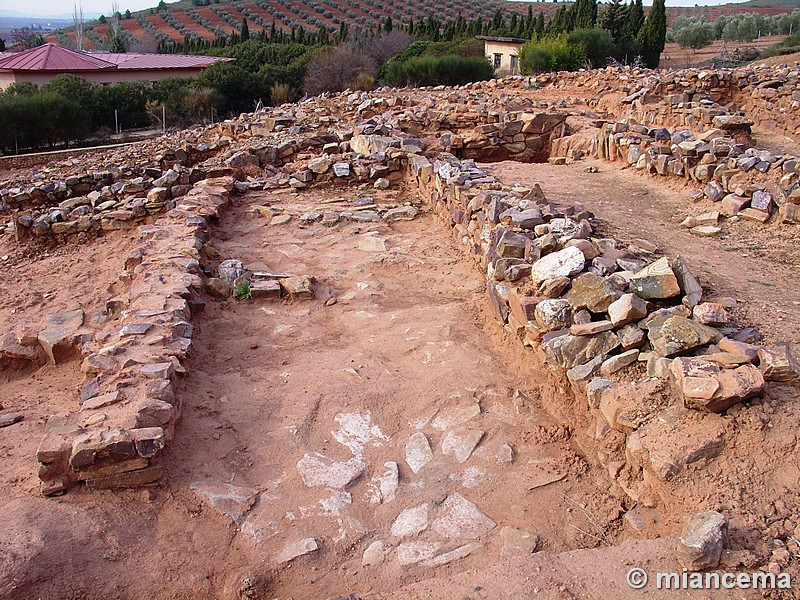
(64, 7)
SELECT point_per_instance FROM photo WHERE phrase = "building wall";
(508, 53)
(99, 77)
(6, 79)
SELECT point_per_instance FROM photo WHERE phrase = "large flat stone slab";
(461, 519)
(317, 469)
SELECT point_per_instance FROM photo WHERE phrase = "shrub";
(364, 82)
(280, 93)
(445, 70)
(335, 69)
(550, 54)
(465, 48)
(597, 44)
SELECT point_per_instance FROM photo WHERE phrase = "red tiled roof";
(52, 57)
(158, 61)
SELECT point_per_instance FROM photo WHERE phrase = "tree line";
(579, 34)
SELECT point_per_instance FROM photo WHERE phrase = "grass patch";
(764, 283)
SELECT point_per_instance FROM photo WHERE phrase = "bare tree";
(77, 20)
(335, 70)
(382, 47)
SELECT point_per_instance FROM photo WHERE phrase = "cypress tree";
(653, 34)
(584, 14)
(539, 26)
(244, 32)
(634, 20)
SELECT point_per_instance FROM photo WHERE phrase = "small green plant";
(241, 290)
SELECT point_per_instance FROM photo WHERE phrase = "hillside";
(185, 19)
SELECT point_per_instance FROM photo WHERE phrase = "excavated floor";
(321, 415)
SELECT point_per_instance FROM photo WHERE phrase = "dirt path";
(278, 389)
(751, 263)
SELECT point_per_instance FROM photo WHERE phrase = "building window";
(514, 64)
(498, 60)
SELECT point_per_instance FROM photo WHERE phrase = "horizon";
(55, 8)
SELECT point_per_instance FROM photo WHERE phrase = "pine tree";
(613, 19)
(653, 34)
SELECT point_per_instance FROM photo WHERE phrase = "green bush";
(465, 48)
(597, 45)
(550, 54)
(444, 70)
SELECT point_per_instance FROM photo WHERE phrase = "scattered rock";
(229, 500)
(58, 340)
(297, 287)
(374, 555)
(230, 270)
(370, 243)
(460, 442)
(460, 518)
(218, 288)
(384, 487)
(453, 555)
(318, 469)
(455, 416)
(704, 537)
(517, 542)
(10, 418)
(411, 521)
(409, 553)
(296, 549)
(418, 451)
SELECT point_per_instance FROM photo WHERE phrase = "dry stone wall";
(650, 363)
(128, 408)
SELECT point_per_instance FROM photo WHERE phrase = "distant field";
(46, 25)
(677, 58)
(207, 22)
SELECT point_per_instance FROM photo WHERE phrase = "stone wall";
(650, 363)
(127, 405)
